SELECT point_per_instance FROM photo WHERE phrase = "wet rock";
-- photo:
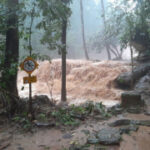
(115, 109)
(118, 110)
(67, 136)
(124, 80)
(121, 122)
(128, 129)
(44, 124)
(146, 98)
(92, 139)
(125, 122)
(135, 110)
(131, 99)
(143, 84)
(109, 136)
(143, 123)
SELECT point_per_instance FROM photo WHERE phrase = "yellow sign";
(31, 79)
(29, 65)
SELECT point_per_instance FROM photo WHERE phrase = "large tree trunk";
(83, 32)
(12, 48)
(63, 52)
(11, 55)
(104, 20)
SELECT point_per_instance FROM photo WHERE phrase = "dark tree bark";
(63, 53)
(11, 55)
(83, 31)
(12, 47)
(104, 20)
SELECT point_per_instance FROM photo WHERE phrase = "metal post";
(30, 98)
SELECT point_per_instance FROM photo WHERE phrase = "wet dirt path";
(59, 139)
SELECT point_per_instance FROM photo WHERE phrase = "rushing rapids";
(86, 80)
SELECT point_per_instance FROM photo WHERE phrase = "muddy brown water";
(86, 80)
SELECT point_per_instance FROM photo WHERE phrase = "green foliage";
(64, 117)
(129, 21)
(53, 12)
(78, 109)
(42, 117)
(70, 116)
(23, 121)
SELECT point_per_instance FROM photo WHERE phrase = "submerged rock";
(109, 136)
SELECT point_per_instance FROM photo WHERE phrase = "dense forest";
(74, 74)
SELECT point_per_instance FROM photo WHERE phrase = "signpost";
(29, 65)
(32, 79)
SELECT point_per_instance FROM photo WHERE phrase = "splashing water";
(86, 80)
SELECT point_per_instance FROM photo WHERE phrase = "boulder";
(124, 80)
(143, 84)
(131, 99)
(115, 110)
(92, 140)
(109, 136)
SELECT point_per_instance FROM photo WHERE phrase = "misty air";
(74, 75)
